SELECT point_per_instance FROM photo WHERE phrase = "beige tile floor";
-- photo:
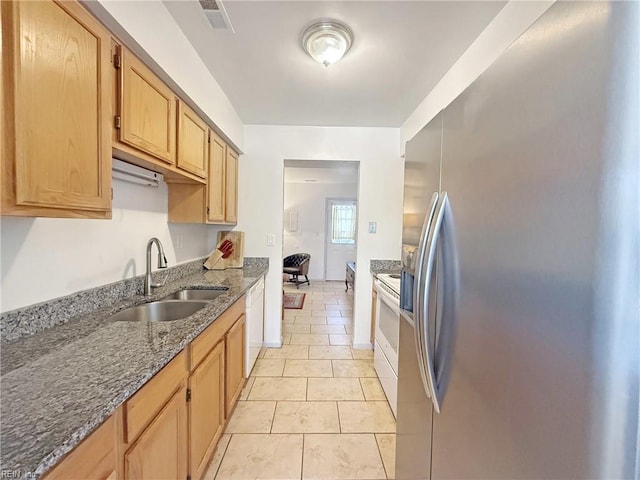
(313, 409)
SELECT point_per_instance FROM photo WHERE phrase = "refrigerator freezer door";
(541, 166)
(414, 412)
(421, 181)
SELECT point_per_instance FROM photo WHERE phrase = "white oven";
(386, 335)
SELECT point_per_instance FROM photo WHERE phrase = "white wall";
(309, 200)
(504, 29)
(153, 27)
(45, 258)
(379, 197)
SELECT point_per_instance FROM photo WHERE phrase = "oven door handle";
(387, 298)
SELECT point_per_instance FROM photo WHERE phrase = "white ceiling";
(400, 51)
(311, 171)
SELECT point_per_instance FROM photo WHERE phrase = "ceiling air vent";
(216, 14)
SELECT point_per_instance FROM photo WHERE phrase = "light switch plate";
(373, 227)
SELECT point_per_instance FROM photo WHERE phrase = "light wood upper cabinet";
(216, 185)
(234, 369)
(206, 410)
(231, 201)
(147, 110)
(217, 202)
(161, 451)
(56, 148)
(193, 146)
(93, 459)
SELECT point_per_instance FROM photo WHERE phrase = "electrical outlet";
(271, 240)
(373, 227)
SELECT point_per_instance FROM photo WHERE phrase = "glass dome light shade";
(326, 42)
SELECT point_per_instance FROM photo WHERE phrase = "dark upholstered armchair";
(296, 266)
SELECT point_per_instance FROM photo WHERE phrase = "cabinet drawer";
(214, 332)
(93, 459)
(140, 409)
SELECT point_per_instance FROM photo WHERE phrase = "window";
(343, 223)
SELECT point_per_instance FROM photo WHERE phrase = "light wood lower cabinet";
(143, 406)
(206, 410)
(170, 427)
(56, 117)
(161, 450)
(234, 378)
(93, 459)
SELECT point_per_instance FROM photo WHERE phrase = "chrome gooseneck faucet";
(162, 263)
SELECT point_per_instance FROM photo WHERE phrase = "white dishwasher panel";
(254, 330)
(387, 376)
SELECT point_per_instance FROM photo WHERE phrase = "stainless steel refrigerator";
(519, 337)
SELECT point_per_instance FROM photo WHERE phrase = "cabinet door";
(192, 141)
(161, 450)
(206, 409)
(147, 110)
(57, 109)
(93, 459)
(216, 185)
(234, 368)
(231, 194)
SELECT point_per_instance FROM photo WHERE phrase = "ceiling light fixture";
(326, 41)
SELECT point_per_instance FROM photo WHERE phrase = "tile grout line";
(362, 389)
(223, 455)
(384, 467)
(302, 459)
(273, 417)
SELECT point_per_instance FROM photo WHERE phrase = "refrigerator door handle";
(428, 357)
(419, 292)
(448, 309)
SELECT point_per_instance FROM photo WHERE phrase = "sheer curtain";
(343, 223)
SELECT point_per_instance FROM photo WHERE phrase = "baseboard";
(363, 346)
(272, 344)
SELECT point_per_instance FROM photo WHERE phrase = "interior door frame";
(327, 202)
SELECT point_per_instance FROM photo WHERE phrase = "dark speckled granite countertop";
(385, 266)
(58, 385)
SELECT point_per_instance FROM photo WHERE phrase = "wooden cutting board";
(236, 259)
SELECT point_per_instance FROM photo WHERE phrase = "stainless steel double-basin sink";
(176, 306)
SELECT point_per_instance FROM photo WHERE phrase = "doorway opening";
(320, 215)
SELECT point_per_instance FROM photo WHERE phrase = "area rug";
(293, 300)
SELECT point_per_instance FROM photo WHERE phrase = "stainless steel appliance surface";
(519, 350)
